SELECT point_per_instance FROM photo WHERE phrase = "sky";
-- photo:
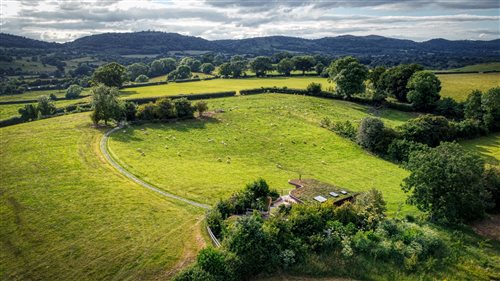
(419, 20)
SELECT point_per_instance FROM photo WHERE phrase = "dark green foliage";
(201, 96)
(285, 66)
(106, 105)
(428, 129)
(111, 75)
(225, 69)
(28, 112)
(137, 69)
(146, 111)
(162, 66)
(130, 109)
(491, 182)
(314, 88)
(319, 68)
(182, 72)
(260, 65)
(375, 77)
(395, 79)
(400, 149)
(45, 106)
(346, 129)
(450, 108)
(490, 105)
(165, 109)
(303, 63)
(207, 68)
(469, 128)
(447, 182)
(184, 108)
(373, 135)
(349, 76)
(201, 107)
(73, 91)
(142, 79)
(221, 265)
(193, 64)
(424, 88)
(472, 107)
(194, 273)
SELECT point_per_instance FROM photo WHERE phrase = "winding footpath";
(123, 171)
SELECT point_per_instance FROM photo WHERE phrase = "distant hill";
(14, 41)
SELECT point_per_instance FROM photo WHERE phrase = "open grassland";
(33, 95)
(276, 137)
(459, 86)
(488, 147)
(163, 78)
(219, 85)
(65, 214)
(12, 110)
(492, 66)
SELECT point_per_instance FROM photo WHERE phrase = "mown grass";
(459, 86)
(65, 214)
(276, 137)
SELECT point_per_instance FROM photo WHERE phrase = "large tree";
(349, 76)
(395, 80)
(285, 66)
(192, 63)
(106, 105)
(446, 182)
(111, 75)
(472, 106)
(490, 104)
(303, 63)
(137, 69)
(162, 66)
(207, 68)
(424, 88)
(260, 65)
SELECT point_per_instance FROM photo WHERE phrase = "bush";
(73, 91)
(424, 88)
(146, 111)
(45, 106)
(142, 79)
(184, 108)
(428, 129)
(491, 182)
(165, 109)
(130, 111)
(194, 273)
(207, 68)
(400, 149)
(450, 108)
(28, 112)
(201, 107)
(469, 128)
(373, 135)
(314, 88)
(344, 129)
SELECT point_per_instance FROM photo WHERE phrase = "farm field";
(68, 215)
(492, 66)
(459, 86)
(488, 147)
(12, 110)
(276, 137)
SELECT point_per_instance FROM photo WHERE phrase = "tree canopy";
(424, 88)
(111, 75)
(349, 76)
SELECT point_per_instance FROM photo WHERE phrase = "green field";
(273, 136)
(12, 110)
(488, 147)
(492, 66)
(459, 86)
(65, 214)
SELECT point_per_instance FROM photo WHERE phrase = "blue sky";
(66, 20)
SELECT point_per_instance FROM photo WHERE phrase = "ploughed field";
(276, 137)
(66, 214)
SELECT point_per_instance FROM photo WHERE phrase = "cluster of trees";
(165, 108)
(44, 107)
(351, 234)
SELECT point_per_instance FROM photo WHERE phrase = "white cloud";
(65, 20)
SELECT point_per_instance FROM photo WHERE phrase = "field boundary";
(123, 171)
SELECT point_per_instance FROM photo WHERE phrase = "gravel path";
(104, 150)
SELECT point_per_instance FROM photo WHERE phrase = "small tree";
(201, 107)
(28, 112)
(111, 75)
(225, 69)
(424, 87)
(73, 91)
(428, 129)
(106, 105)
(285, 66)
(193, 64)
(319, 68)
(260, 65)
(349, 76)
(137, 69)
(207, 68)
(446, 182)
(395, 80)
(490, 105)
(165, 109)
(183, 108)
(472, 107)
(373, 135)
(303, 63)
(142, 79)
(314, 88)
(45, 106)
(146, 111)
(182, 72)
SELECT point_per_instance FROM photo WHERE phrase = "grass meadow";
(65, 214)
(459, 86)
(488, 147)
(276, 137)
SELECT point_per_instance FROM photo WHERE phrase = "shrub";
(344, 129)
(490, 105)
(45, 106)
(207, 68)
(314, 88)
(201, 107)
(146, 111)
(450, 108)
(142, 79)
(165, 109)
(130, 110)
(491, 182)
(373, 135)
(469, 128)
(28, 112)
(194, 273)
(73, 91)
(424, 87)
(428, 129)
(400, 149)
(183, 108)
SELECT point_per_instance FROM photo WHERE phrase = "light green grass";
(488, 147)
(276, 137)
(65, 214)
(33, 95)
(163, 78)
(459, 86)
(219, 85)
(492, 66)
(12, 110)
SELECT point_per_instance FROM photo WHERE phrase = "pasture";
(276, 137)
(66, 214)
(459, 86)
(488, 147)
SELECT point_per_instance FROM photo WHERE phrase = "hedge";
(11, 121)
(189, 97)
